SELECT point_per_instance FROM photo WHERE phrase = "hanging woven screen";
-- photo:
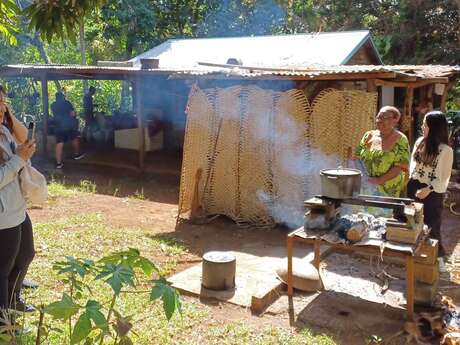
(248, 152)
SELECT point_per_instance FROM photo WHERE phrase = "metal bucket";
(219, 269)
(340, 183)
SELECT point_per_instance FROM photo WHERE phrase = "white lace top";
(436, 174)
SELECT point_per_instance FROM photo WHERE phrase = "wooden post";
(45, 103)
(290, 245)
(140, 122)
(410, 286)
(317, 257)
(371, 87)
(447, 88)
(133, 93)
(408, 121)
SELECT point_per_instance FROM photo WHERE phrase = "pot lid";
(219, 257)
(341, 172)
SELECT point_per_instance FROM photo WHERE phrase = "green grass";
(57, 189)
(92, 236)
(139, 195)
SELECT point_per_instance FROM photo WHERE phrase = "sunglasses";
(383, 116)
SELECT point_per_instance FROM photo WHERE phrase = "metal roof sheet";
(328, 48)
(223, 71)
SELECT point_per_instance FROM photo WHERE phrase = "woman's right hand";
(26, 150)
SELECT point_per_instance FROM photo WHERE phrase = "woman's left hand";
(375, 181)
(423, 193)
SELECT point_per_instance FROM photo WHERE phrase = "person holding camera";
(66, 128)
(16, 238)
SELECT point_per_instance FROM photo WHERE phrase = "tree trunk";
(124, 106)
(457, 2)
(37, 43)
(83, 51)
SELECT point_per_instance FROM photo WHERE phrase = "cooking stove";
(405, 225)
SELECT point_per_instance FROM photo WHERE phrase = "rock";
(305, 276)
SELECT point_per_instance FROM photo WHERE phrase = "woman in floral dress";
(385, 155)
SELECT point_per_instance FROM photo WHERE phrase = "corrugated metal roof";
(223, 71)
(63, 67)
(415, 71)
(328, 48)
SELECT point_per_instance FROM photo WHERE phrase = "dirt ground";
(158, 211)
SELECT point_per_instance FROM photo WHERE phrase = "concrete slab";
(256, 282)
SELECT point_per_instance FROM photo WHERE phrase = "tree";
(129, 23)
(9, 20)
(59, 18)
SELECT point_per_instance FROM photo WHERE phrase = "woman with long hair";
(430, 170)
(16, 241)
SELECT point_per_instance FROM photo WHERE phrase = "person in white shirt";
(430, 170)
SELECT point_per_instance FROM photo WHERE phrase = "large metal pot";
(340, 183)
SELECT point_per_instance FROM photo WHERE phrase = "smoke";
(263, 162)
(238, 18)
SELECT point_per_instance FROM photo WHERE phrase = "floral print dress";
(378, 161)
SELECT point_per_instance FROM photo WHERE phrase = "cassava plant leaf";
(63, 309)
(82, 329)
(169, 297)
(117, 276)
(93, 311)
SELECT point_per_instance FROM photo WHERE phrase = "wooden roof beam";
(338, 76)
(416, 84)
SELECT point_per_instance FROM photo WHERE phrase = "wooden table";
(409, 253)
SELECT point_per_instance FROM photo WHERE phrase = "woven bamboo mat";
(292, 155)
(221, 190)
(255, 175)
(260, 150)
(197, 143)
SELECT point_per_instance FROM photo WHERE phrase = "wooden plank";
(140, 123)
(337, 76)
(426, 273)
(262, 299)
(354, 248)
(410, 286)
(45, 103)
(290, 245)
(417, 84)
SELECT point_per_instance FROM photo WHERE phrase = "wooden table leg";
(410, 286)
(290, 245)
(317, 257)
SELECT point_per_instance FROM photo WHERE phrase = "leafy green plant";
(8, 20)
(61, 18)
(86, 319)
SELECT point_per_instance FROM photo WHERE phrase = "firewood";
(452, 338)
(356, 232)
